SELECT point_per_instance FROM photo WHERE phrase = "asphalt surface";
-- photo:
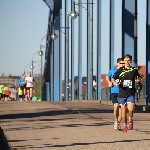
(68, 126)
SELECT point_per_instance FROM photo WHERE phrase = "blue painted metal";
(148, 54)
(66, 68)
(51, 63)
(55, 54)
(92, 36)
(72, 56)
(128, 8)
(98, 76)
(60, 61)
(51, 71)
(47, 91)
(127, 47)
(80, 53)
(56, 67)
(112, 19)
(88, 86)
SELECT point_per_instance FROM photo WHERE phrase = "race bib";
(127, 83)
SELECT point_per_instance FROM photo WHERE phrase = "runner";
(20, 93)
(7, 94)
(29, 86)
(114, 94)
(22, 85)
(1, 92)
(127, 76)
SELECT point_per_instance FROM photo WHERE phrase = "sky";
(105, 35)
(23, 23)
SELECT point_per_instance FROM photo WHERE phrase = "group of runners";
(122, 81)
(4, 93)
(26, 87)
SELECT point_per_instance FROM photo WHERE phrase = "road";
(69, 126)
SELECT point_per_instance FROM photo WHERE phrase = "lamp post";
(26, 67)
(73, 14)
(32, 67)
(53, 37)
(41, 54)
(37, 81)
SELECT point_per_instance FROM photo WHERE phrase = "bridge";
(62, 47)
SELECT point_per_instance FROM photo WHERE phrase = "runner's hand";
(116, 83)
(110, 84)
(137, 79)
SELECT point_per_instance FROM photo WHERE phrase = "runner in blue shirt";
(114, 93)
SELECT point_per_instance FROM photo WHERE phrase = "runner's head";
(23, 75)
(127, 60)
(29, 74)
(120, 62)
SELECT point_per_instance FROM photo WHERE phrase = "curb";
(140, 104)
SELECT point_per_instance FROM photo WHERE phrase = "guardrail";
(105, 93)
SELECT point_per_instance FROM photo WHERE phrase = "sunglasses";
(121, 63)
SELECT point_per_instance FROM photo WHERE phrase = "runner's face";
(127, 62)
(29, 74)
(120, 64)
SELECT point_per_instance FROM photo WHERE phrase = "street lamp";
(41, 54)
(53, 37)
(32, 67)
(73, 14)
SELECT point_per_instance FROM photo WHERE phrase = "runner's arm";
(115, 77)
(138, 76)
(108, 76)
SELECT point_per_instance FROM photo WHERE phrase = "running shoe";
(130, 125)
(125, 129)
(117, 126)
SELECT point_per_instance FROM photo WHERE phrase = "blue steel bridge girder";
(148, 53)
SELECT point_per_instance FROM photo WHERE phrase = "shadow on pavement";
(3, 141)
(78, 144)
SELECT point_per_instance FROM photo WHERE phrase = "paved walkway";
(69, 126)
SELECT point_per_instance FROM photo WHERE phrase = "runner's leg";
(117, 114)
(130, 105)
(31, 91)
(122, 103)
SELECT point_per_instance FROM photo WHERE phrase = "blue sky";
(105, 34)
(24, 23)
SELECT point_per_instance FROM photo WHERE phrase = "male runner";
(22, 84)
(127, 75)
(114, 93)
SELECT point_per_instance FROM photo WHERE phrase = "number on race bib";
(127, 83)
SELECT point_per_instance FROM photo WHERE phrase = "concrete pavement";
(69, 126)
